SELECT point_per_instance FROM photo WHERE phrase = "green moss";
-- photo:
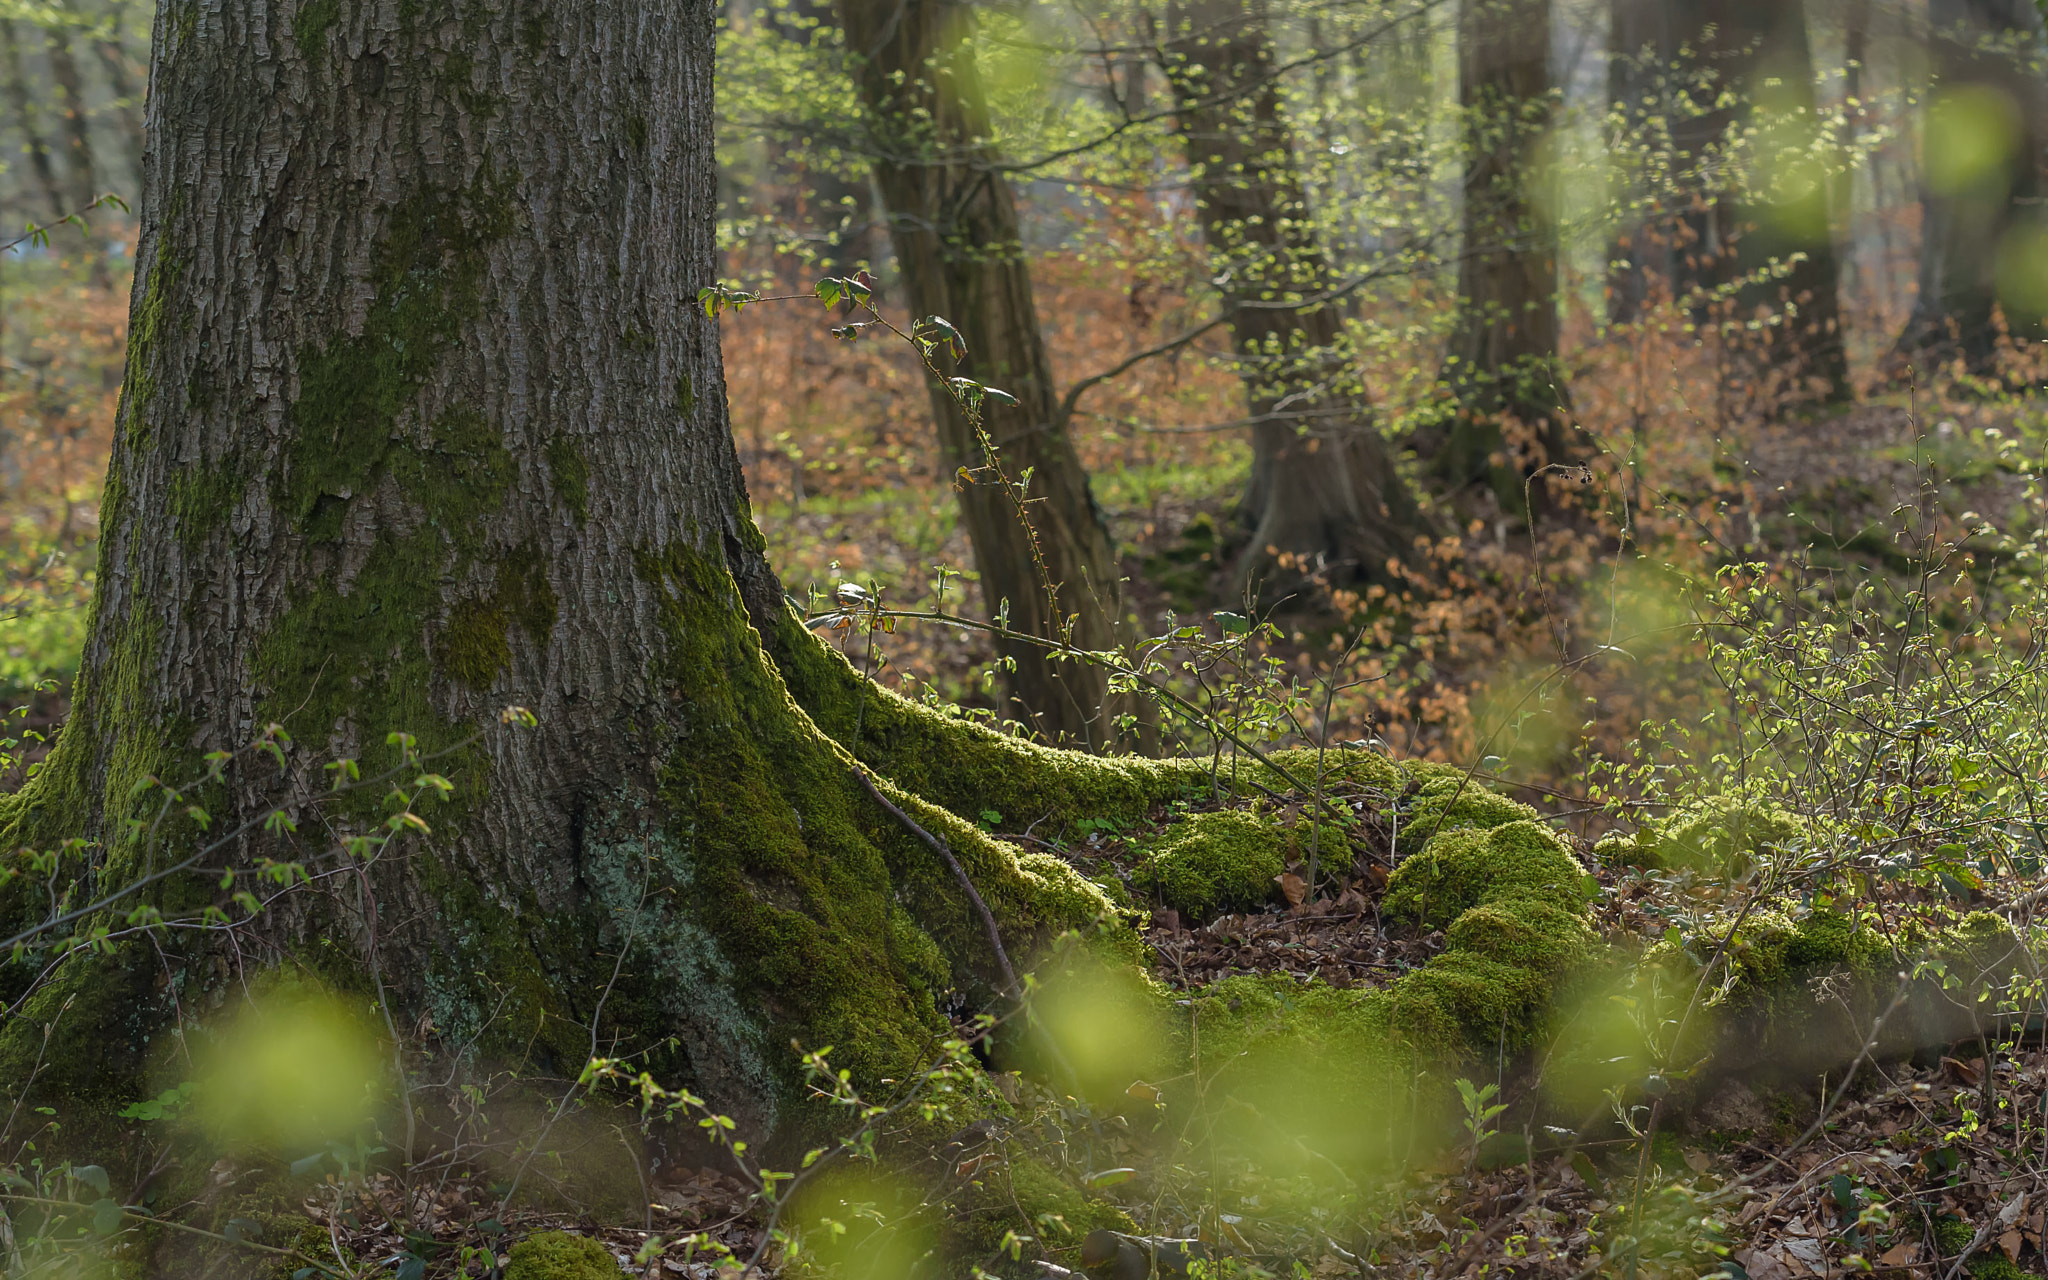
(1952, 1235)
(557, 1255)
(311, 24)
(1462, 869)
(1214, 861)
(1449, 803)
(1719, 835)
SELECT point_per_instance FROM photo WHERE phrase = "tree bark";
(421, 419)
(1502, 361)
(1325, 498)
(1985, 58)
(953, 223)
(28, 119)
(1738, 62)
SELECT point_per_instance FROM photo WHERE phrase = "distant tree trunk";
(421, 419)
(1639, 51)
(1502, 359)
(1702, 66)
(1325, 495)
(953, 222)
(28, 119)
(1985, 59)
(831, 210)
(77, 125)
(1759, 69)
(127, 94)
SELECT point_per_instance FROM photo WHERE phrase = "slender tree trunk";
(77, 128)
(953, 222)
(127, 94)
(1757, 72)
(1502, 361)
(28, 119)
(1639, 51)
(421, 418)
(1985, 57)
(1325, 498)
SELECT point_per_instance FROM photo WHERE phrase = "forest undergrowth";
(1694, 830)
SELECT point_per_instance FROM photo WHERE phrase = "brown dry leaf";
(1698, 1161)
(1903, 1254)
(2010, 1242)
(1969, 1074)
(1292, 887)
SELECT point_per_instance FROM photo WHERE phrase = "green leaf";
(106, 1216)
(92, 1176)
(1233, 624)
(1110, 1177)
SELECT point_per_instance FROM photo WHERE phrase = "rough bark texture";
(1731, 56)
(953, 223)
(421, 419)
(1324, 493)
(1502, 360)
(1985, 58)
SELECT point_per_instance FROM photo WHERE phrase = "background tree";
(1324, 490)
(1719, 84)
(1984, 132)
(953, 223)
(1503, 349)
(433, 426)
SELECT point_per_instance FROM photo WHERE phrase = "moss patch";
(1459, 870)
(1719, 835)
(557, 1255)
(1222, 861)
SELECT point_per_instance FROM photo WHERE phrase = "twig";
(988, 919)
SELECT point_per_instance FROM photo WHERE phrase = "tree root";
(988, 919)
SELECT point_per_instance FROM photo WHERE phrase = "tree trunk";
(77, 130)
(1984, 56)
(1701, 66)
(28, 119)
(953, 222)
(421, 419)
(1325, 498)
(1502, 361)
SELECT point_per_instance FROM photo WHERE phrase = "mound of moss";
(1718, 835)
(1456, 871)
(1222, 861)
(1449, 802)
(557, 1255)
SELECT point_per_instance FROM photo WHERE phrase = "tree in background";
(953, 224)
(1324, 495)
(1722, 84)
(1502, 355)
(1982, 235)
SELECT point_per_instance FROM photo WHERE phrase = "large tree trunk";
(1737, 63)
(1502, 361)
(953, 222)
(422, 419)
(1325, 496)
(1984, 56)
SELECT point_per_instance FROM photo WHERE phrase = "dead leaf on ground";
(1292, 887)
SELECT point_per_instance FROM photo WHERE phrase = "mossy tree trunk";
(953, 224)
(422, 419)
(1502, 360)
(1978, 221)
(1325, 496)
